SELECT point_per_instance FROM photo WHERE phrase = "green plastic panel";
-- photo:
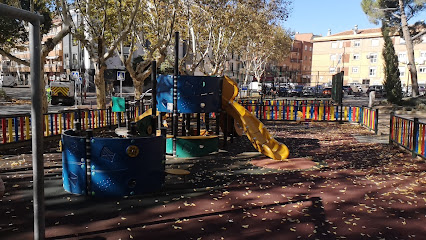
(193, 146)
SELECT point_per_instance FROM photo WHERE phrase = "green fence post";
(415, 136)
(376, 122)
(392, 114)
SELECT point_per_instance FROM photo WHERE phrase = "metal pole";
(175, 79)
(154, 96)
(36, 114)
(37, 131)
(121, 88)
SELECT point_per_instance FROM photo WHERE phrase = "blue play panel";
(74, 164)
(196, 94)
(118, 166)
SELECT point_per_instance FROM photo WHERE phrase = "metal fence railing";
(409, 134)
(313, 110)
(15, 128)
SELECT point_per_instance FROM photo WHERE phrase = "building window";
(333, 57)
(374, 42)
(401, 71)
(354, 69)
(423, 55)
(356, 56)
(373, 58)
(422, 70)
(332, 70)
(310, 48)
(372, 72)
(402, 57)
(401, 40)
(366, 81)
(74, 59)
(306, 48)
(357, 43)
(334, 45)
(306, 57)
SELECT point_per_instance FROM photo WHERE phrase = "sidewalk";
(356, 190)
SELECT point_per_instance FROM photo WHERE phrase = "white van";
(8, 81)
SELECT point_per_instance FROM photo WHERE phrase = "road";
(24, 93)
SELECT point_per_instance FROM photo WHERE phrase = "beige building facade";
(359, 54)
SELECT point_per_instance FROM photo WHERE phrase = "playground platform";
(348, 188)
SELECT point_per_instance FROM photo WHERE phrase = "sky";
(317, 16)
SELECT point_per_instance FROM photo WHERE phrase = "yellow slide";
(146, 113)
(254, 129)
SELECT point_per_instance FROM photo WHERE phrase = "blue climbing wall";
(121, 167)
(196, 94)
(74, 163)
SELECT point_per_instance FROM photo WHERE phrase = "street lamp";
(408, 77)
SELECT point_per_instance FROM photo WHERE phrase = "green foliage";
(389, 10)
(13, 33)
(391, 83)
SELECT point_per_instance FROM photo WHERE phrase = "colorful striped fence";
(17, 127)
(312, 110)
(409, 134)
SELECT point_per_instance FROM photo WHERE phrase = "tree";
(208, 28)
(217, 30)
(150, 37)
(14, 34)
(102, 32)
(391, 83)
(399, 12)
(262, 42)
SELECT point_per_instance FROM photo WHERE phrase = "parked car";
(317, 90)
(283, 92)
(380, 91)
(347, 90)
(8, 81)
(422, 90)
(297, 91)
(326, 92)
(308, 92)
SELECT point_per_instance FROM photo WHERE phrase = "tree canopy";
(396, 14)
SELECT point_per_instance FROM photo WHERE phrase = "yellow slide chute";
(254, 129)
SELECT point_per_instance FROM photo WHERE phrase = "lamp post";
(408, 77)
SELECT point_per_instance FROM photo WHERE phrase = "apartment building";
(53, 66)
(358, 52)
(297, 67)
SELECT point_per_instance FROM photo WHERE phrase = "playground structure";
(135, 163)
(100, 166)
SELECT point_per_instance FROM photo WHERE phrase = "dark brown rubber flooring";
(333, 187)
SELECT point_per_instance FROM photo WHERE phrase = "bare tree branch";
(13, 58)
